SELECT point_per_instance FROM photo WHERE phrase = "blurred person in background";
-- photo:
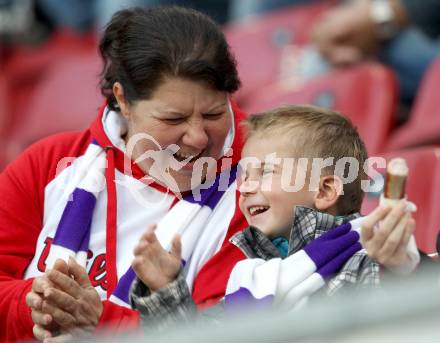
(19, 23)
(405, 34)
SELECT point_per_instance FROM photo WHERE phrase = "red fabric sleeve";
(21, 213)
(115, 318)
(22, 187)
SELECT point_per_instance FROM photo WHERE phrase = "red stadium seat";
(422, 188)
(366, 94)
(29, 61)
(258, 43)
(67, 99)
(423, 126)
(25, 66)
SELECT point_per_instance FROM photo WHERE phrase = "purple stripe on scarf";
(85, 242)
(338, 262)
(323, 249)
(75, 222)
(211, 196)
(123, 288)
(243, 299)
(94, 141)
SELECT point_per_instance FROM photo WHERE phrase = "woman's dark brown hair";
(140, 47)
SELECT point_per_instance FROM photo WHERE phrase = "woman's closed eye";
(213, 116)
(178, 120)
(174, 121)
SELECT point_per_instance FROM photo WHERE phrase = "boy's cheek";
(241, 206)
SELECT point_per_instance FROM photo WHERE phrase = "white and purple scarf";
(323, 250)
(201, 210)
(287, 282)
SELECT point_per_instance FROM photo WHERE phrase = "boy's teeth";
(257, 209)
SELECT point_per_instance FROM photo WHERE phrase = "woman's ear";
(118, 92)
(330, 188)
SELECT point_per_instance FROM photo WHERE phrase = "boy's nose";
(248, 187)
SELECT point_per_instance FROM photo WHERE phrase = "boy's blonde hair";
(322, 133)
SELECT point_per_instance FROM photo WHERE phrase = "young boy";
(290, 226)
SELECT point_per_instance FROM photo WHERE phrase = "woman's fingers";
(40, 333)
(34, 300)
(61, 266)
(60, 299)
(40, 284)
(79, 273)
(61, 317)
(40, 318)
(64, 283)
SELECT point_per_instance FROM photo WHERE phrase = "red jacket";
(23, 187)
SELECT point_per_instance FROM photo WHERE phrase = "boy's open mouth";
(256, 210)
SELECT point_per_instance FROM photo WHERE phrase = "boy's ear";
(330, 188)
(118, 92)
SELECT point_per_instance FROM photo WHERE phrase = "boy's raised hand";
(385, 235)
(155, 266)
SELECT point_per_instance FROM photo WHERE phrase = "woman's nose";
(196, 135)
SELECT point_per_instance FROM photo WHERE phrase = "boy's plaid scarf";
(308, 226)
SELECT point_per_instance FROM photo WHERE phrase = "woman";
(163, 150)
(167, 78)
